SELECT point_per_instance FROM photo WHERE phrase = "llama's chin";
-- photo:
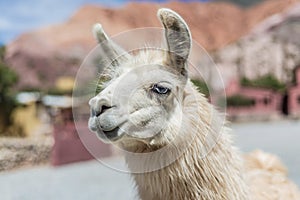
(110, 136)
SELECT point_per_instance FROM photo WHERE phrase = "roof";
(57, 101)
(28, 97)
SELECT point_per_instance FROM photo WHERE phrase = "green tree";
(7, 99)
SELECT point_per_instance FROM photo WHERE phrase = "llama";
(148, 104)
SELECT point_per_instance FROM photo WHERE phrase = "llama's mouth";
(105, 135)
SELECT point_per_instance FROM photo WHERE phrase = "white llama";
(150, 103)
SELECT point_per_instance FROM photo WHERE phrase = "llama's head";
(143, 96)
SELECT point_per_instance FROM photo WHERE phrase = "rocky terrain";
(41, 56)
(20, 152)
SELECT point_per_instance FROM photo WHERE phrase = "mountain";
(43, 55)
(272, 47)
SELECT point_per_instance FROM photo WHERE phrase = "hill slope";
(40, 56)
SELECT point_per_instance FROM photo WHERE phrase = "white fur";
(210, 168)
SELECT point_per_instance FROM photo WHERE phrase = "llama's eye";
(160, 89)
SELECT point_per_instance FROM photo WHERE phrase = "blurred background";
(255, 44)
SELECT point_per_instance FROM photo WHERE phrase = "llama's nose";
(99, 106)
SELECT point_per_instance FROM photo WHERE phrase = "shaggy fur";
(216, 176)
(209, 168)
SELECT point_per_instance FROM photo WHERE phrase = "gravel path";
(20, 152)
(91, 180)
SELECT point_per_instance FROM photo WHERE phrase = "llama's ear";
(111, 50)
(178, 39)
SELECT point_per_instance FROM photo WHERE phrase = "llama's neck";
(218, 175)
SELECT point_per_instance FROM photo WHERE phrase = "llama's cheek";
(145, 123)
(144, 116)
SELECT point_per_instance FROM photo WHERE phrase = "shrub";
(267, 81)
(239, 101)
(201, 86)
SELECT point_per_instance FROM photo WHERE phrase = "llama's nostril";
(99, 106)
(103, 109)
(94, 113)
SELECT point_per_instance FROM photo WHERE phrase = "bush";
(268, 82)
(201, 86)
(239, 101)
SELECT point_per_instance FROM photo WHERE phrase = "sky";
(19, 16)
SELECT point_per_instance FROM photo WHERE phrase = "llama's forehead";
(143, 69)
(146, 74)
(147, 65)
(146, 57)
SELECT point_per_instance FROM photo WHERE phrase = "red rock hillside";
(41, 56)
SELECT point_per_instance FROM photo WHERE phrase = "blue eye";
(160, 89)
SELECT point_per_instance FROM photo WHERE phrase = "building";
(264, 102)
(68, 144)
(30, 116)
(293, 98)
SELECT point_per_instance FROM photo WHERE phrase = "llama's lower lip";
(105, 135)
(112, 134)
(109, 136)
